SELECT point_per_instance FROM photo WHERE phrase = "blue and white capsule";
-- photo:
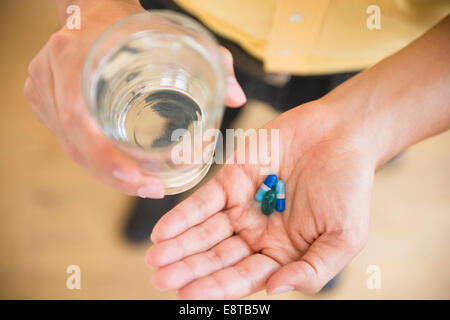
(266, 186)
(279, 193)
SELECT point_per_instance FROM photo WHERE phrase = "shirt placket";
(294, 31)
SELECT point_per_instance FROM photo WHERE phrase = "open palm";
(218, 245)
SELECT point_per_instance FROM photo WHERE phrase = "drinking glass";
(155, 83)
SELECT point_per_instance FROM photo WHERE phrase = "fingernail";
(150, 191)
(280, 289)
(124, 176)
(238, 93)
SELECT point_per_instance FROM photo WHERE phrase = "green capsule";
(268, 203)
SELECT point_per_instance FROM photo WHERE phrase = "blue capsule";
(266, 186)
(279, 192)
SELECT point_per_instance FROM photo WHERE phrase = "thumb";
(326, 257)
(235, 95)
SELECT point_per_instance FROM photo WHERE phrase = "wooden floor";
(53, 214)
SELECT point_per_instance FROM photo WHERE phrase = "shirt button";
(295, 18)
(285, 53)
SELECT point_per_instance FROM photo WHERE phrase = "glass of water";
(155, 83)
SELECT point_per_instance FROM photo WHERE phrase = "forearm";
(401, 100)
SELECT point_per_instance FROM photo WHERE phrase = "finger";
(40, 107)
(178, 274)
(195, 240)
(65, 114)
(242, 279)
(323, 260)
(206, 201)
(97, 153)
(235, 95)
(39, 91)
(39, 87)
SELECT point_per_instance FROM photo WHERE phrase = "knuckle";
(33, 99)
(189, 266)
(28, 90)
(246, 275)
(313, 288)
(71, 151)
(227, 55)
(216, 257)
(310, 281)
(202, 234)
(58, 41)
(355, 240)
(34, 68)
(68, 119)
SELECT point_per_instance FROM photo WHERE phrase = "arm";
(217, 243)
(401, 100)
(53, 89)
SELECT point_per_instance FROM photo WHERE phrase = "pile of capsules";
(271, 195)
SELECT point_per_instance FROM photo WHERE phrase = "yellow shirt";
(318, 36)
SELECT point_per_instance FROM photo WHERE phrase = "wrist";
(399, 101)
(366, 129)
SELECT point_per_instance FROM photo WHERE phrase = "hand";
(53, 89)
(218, 245)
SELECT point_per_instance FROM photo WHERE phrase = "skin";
(53, 89)
(218, 245)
